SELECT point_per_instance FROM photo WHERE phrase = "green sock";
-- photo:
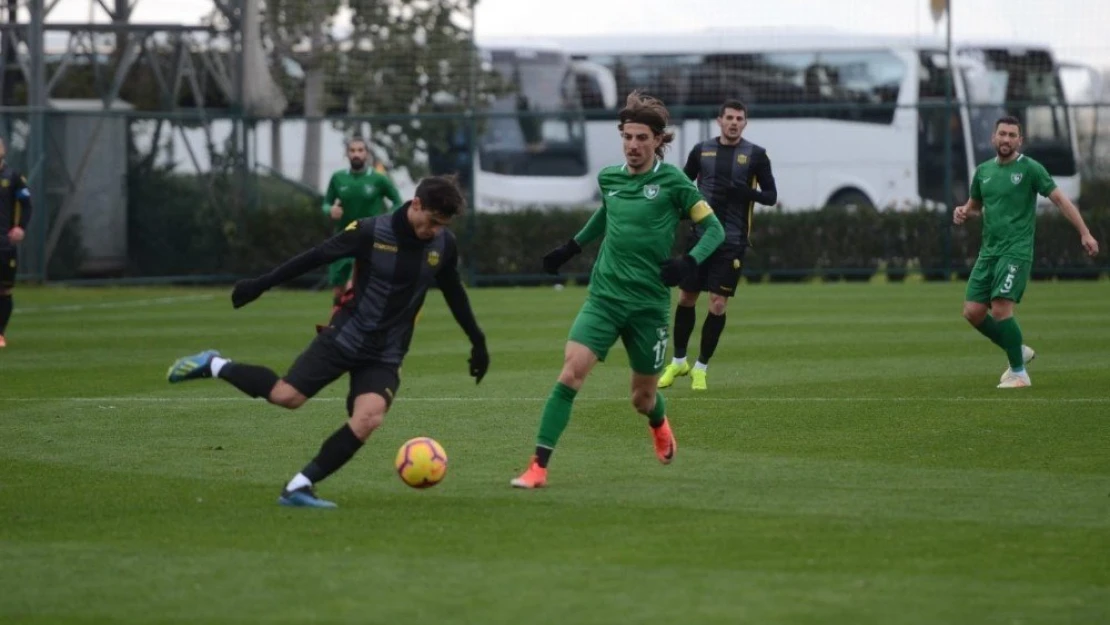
(659, 412)
(989, 329)
(556, 415)
(1009, 333)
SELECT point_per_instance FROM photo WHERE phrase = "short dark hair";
(441, 194)
(1009, 120)
(649, 111)
(735, 105)
(357, 139)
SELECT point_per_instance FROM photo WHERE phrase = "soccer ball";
(421, 462)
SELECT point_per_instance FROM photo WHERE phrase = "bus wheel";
(851, 199)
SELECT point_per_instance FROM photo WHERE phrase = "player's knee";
(364, 422)
(577, 361)
(367, 414)
(687, 298)
(286, 396)
(974, 312)
(643, 399)
(718, 304)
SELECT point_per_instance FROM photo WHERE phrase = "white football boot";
(1027, 356)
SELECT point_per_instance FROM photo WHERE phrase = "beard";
(357, 163)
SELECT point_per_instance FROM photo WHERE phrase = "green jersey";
(1008, 193)
(641, 213)
(361, 194)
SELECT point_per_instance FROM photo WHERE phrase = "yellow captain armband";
(700, 211)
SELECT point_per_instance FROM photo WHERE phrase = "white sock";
(217, 364)
(679, 361)
(701, 366)
(298, 481)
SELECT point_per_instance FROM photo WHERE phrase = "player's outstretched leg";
(254, 380)
(684, 317)
(335, 452)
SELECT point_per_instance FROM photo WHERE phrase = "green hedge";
(192, 227)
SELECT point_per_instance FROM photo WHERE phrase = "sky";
(1076, 29)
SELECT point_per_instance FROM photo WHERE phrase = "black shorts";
(324, 362)
(8, 264)
(720, 273)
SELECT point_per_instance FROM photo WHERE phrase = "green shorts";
(643, 331)
(997, 278)
(339, 272)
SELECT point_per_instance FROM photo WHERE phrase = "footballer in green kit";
(353, 194)
(1004, 192)
(629, 297)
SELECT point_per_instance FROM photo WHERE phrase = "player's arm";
(693, 163)
(330, 196)
(1062, 202)
(713, 233)
(21, 204)
(391, 192)
(356, 236)
(594, 228)
(454, 293)
(589, 233)
(974, 205)
(768, 193)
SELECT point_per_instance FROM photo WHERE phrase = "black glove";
(559, 256)
(479, 361)
(675, 269)
(246, 291)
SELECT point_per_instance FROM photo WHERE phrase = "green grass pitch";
(851, 463)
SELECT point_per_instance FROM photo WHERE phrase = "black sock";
(543, 455)
(6, 306)
(710, 334)
(683, 329)
(334, 453)
(253, 380)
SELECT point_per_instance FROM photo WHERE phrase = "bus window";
(934, 122)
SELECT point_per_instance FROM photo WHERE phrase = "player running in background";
(727, 169)
(629, 298)
(397, 257)
(355, 193)
(15, 216)
(1004, 191)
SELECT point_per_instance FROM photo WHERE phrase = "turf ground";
(852, 462)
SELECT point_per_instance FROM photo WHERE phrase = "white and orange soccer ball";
(421, 462)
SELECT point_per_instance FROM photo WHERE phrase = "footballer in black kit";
(15, 216)
(733, 174)
(398, 256)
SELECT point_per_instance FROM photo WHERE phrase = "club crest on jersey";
(650, 191)
(741, 159)
(1015, 178)
(433, 258)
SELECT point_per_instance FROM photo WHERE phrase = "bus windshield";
(537, 127)
(1023, 83)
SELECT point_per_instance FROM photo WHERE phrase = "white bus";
(846, 119)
